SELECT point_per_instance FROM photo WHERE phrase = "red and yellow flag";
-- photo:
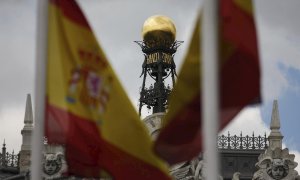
(87, 110)
(181, 137)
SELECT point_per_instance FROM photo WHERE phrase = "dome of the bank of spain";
(159, 28)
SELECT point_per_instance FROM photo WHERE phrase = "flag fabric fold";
(87, 110)
(239, 81)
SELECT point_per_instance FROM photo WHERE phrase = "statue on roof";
(54, 165)
(276, 164)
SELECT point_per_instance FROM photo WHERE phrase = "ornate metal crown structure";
(159, 47)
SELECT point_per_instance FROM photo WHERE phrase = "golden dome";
(159, 28)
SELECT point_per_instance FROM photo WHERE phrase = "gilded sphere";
(159, 28)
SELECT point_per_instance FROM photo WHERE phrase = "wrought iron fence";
(8, 159)
(12, 160)
(242, 142)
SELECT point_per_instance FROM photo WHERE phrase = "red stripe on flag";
(240, 73)
(71, 10)
(238, 27)
(181, 139)
(87, 152)
(240, 78)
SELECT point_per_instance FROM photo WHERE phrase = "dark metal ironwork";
(242, 142)
(9, 159)
(159, 65)
(12, 160)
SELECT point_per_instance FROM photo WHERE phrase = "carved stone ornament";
(276, 164)
(191, 170)
(54, 165)
(236, 176)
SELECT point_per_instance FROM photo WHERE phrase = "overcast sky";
(117, 23)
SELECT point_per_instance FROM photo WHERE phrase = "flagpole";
(210, 95)
(40, 84)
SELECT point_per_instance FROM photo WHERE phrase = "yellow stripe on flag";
(245, 5)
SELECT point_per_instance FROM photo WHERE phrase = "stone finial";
(275, 121)
(275, 137)
(24, 159)
(28, 127)
(28, 118)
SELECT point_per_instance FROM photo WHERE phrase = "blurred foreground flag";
(86, 108)
(181, 137)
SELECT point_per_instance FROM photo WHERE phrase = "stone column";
(275, 137)
(24, 162)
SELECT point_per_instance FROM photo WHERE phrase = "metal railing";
(242, 142)
(8, 159)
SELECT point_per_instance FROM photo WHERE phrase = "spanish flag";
(239, 81)
(87, 110)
